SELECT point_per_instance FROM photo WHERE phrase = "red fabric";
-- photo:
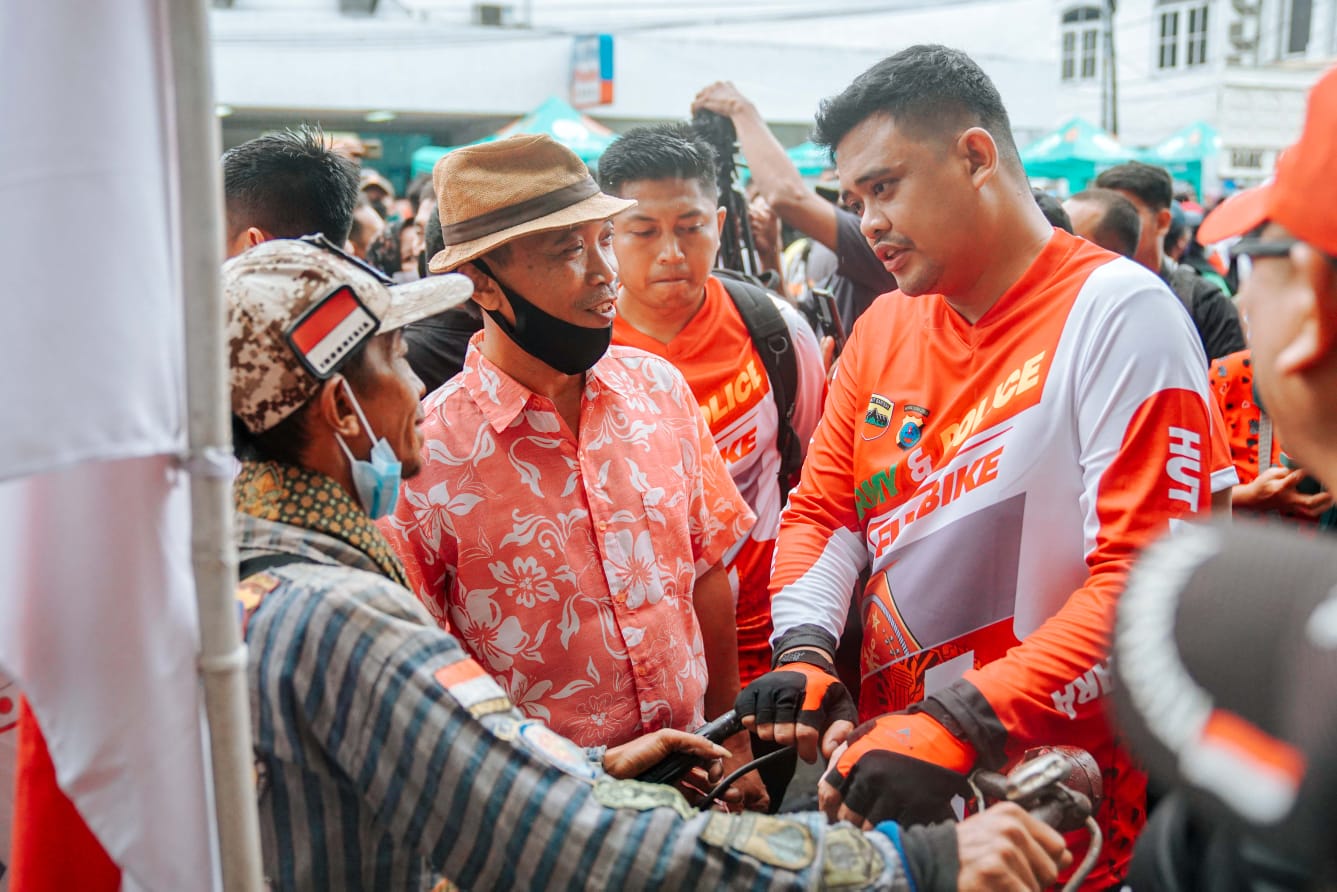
(52, 849)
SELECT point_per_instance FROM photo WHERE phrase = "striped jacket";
(387, 758)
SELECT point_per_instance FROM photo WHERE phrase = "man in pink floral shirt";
(573, 511)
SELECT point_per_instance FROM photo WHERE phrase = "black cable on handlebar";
(723, 786)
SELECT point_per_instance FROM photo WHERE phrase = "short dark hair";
(384, 252)
(420, 188)
(1151, 184)
(1178, 226)
(1052, 209)
(354, 227)
(658, 152)
(1120, 228)
(924, 89)
(433, 241)
(290, 184)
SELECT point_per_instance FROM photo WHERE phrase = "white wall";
(301, 54)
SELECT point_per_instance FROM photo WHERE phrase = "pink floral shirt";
(565, 565)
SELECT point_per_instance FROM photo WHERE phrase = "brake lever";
(1059, 785)
(673, 768)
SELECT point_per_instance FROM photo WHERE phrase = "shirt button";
(603, 526)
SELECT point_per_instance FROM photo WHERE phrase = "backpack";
(770, 336)
(1183, 280)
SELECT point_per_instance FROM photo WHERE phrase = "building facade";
(413, 72)
(1242, 67)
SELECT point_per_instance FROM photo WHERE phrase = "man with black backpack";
(753, 364)
(1151, 191)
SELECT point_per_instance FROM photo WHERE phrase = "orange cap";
(1303, 193)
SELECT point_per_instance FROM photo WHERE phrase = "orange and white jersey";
(716, 355)
(997, 480)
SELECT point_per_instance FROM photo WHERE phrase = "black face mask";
(570, 349)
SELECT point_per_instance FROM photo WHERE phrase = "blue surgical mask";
(376, 479)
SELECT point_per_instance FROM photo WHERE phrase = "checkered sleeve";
(418, 730)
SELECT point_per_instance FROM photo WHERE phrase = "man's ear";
(486, 293)
(977, 147)
(1315, 331)
(334, 410)
(720, 214)
(247, 238)
(1163, 218)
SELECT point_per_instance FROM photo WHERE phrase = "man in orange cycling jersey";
(1002, 435)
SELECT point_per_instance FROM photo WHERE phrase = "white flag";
(97, 611)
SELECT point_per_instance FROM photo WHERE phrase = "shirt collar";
(303, 498)
(501, 399)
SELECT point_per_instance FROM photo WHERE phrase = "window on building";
(1080, 43)
(1295, 32)
(1195, 48)
(1246, 159)
(1089, 51)
(1169, 43)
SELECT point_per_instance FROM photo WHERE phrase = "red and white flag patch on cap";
(331, 330)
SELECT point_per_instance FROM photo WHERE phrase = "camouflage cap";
(297, 308)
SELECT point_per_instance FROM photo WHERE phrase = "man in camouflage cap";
(381, 747)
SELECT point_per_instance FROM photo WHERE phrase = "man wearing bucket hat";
(1226, 643)
(326, 410)
(573, 511)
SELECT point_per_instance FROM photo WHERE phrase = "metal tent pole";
(222, 653)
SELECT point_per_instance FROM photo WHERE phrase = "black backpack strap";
(770, 335)
(1183, 282)
(261, 562)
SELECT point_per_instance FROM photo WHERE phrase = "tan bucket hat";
(496, 192)
(297, 308)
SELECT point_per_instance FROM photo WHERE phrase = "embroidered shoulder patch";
(641, 797)
(852, 862)
(252, 590)
(781, 843)
(473, 688)
(556, 750)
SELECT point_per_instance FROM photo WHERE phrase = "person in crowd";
(1213, 267)
(1179, 234)
(1150, 189)
(426, 208)
(1053, 210)
(285, 185)
(437, 345)
(1224, 653)
(377, 190)
(858, 277)
(573, 513)
(1000, 439)
(1106, 218)
(367, 229)
(396, 251)
(669, 304)
(381, 747)
(767, 236)
(1270, 482)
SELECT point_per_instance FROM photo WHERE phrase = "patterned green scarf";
(296, 496)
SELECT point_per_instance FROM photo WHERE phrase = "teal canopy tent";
(579, 133)
(810, 158)
(1183, 152)
(1075, 152)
